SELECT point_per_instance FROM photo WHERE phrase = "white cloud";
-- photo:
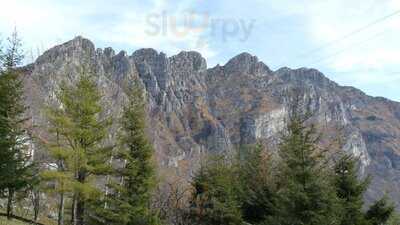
(147, 30)
(155, 28)
(44, 23)
(353, 28)
(357, 42)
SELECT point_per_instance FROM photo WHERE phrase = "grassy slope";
(4, 221)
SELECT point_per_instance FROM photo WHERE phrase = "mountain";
(194, 109)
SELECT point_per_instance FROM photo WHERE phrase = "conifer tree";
(138, 171)
(79, 148)
(258, 190)
(394, 219)
(380, 212)
(15, 164)
(350, 191)
(62, 175)
(128, 200)
(306, 193)
(215, 198)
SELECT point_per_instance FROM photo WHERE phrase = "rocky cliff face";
(194, 109)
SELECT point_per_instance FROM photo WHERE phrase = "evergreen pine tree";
(15, 161)
(258, 190)
(215, 198)
(79, 148)
(62, 175)
(128, 200)
(306, 193)
(380, 212)
(394, 219)
(350, 191)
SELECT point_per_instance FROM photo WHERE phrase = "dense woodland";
(89, 181)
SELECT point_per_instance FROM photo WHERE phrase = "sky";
(353, 42)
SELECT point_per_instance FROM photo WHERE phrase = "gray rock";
(194, 109)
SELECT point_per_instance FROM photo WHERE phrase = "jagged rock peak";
(246, 63)
(81, 42)
(109, 52)
(76, 48)
(78, 43)
(304, 75)
(149, 56)
(191, 60)
(122, 54)
(301, 70)
(283, 70)
(145, 52)
(244, 56)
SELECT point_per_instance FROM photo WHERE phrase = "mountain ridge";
(111, 53)
(194, 109)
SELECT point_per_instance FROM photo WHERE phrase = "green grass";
(4, 221)
(42, 219)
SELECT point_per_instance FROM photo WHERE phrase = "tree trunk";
(61, 210)
(10, 203)
(36, 204)
(80, 201)
(80, 211)
(73, 211)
